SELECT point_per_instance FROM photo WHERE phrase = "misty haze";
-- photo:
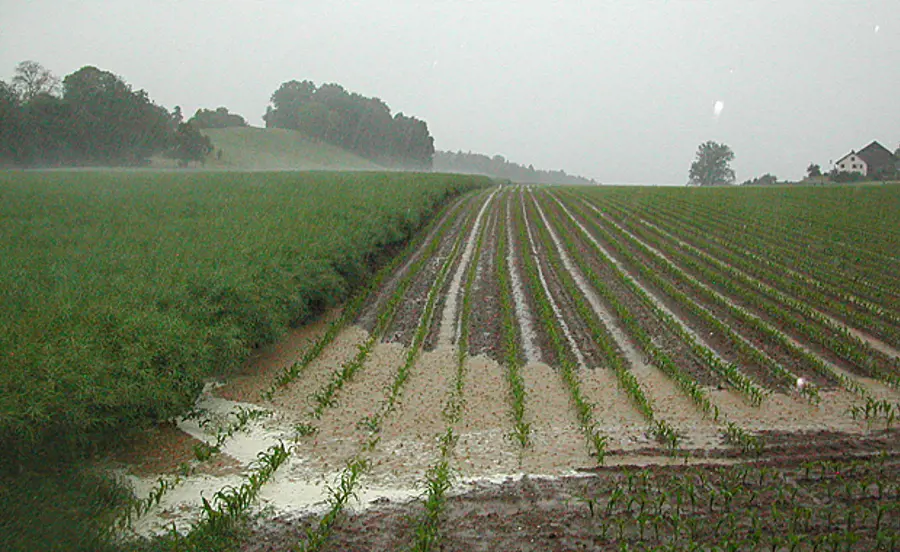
(449, 275)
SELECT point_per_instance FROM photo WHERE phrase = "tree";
(190, 145)
(712, 165)
(813, 170)
(218, 118)
(111, 123)
(351, 121)
(764, 180)
(12, 129)
(32, 79)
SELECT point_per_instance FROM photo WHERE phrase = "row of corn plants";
(438, 478)
(858, 312)
(875, 409)
(745, 349)
(815, 276)
(807, 321)
(551, 323)
(818, 505)
(352, 308)
(203, 452)
(733, 433)
(660, 429)
(848, 229)
(221, 516)
(841, 235)
(772, 244)
(771, 333)
(512, 352)
(857, 246)
(326, 396)
(350, 477)
(729, 371)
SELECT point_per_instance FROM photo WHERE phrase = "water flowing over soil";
(502, 495)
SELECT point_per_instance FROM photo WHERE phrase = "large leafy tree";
(352, 121)
(96, 119)
(712, 165)
(111, 122)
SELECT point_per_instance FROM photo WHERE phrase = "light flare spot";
(718, 107)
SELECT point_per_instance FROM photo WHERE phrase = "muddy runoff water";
(484, 455)
(408, 446)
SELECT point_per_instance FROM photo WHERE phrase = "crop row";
(358, 465)
(811, 301)
(552, 324)
(733, 433)
(438, 478)
(822, 505)
(856, 311)
(827, 265)
(787, 311)
(768, 238)
(662, 265)
(512, 353)
(834, 237)
(745, 349)
(729, 371)
(562, 266)
(325, 397)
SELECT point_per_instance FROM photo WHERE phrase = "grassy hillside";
(252, 148)
(272, 149)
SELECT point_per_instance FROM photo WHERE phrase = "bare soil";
(577, 512)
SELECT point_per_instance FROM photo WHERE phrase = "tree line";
(499, 167)
(353, 122)
(93, 117)
(89, 117)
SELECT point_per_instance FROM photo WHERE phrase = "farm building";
(868, 161)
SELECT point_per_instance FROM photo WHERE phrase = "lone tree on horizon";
(712, 165)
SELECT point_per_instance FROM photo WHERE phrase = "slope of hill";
(250, 148)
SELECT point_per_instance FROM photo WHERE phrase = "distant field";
(278, 149)
(273, 149)
(121, 291)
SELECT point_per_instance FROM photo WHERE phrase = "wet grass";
(121, 291)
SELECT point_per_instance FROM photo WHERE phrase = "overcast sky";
(623, 91)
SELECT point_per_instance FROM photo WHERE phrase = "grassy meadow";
(273, 149)
(122, 291)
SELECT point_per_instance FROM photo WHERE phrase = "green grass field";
(121, 291)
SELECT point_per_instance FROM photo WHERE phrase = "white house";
(872, 160)
(852, 163)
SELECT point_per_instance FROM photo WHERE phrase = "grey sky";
(621, 91)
